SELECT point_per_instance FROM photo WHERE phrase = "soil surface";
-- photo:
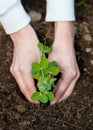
(76, 113)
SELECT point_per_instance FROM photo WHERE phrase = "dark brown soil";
(76, 113)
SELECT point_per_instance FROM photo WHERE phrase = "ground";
(76, 113)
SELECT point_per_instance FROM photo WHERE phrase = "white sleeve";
(13, 17)
(60, 10)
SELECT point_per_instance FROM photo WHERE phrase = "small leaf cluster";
(80, 3)
(44, 73)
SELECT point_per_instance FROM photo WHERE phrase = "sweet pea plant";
(44, 73)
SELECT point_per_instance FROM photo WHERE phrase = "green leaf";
(41, 46)
(35, 68)
(52, 64)
(46, 84)
(53, 85)
(36, 75)
(43, 84)
(48, 49)
(52, 80)
(46, 72)
(41, 87)
(44, 48)
(43, 56)
(54, 70)
(43, 98)
(48, 87)
(51, 96)
(35, 96)
(44, 63)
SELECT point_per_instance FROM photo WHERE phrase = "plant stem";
(42, 73)
(43, 54)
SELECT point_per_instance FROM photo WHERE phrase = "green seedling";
(44, 72)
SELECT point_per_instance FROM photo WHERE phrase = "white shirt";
(13, 17)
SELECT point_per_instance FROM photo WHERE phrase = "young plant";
(44, 73)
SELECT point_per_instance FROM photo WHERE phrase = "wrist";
(26, 34)
(13, 16)
(64, 27)
(64, 32)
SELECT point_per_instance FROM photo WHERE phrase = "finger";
(24, 89)
(30, 85)
(62, 86)
(69, 91)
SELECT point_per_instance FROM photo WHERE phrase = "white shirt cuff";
(14, 19)
(60, 10)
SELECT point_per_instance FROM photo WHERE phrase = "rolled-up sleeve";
(13, 17)
(60, 10)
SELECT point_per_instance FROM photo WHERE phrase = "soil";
(76, 113)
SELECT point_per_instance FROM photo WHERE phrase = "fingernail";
(36, 102)
(53, 102)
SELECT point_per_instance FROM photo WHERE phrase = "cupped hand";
(25, 52)
(64, 54)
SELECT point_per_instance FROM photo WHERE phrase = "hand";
(25, 52)
(64, 54)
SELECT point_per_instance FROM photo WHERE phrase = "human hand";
(64, 54)
(25, 52)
